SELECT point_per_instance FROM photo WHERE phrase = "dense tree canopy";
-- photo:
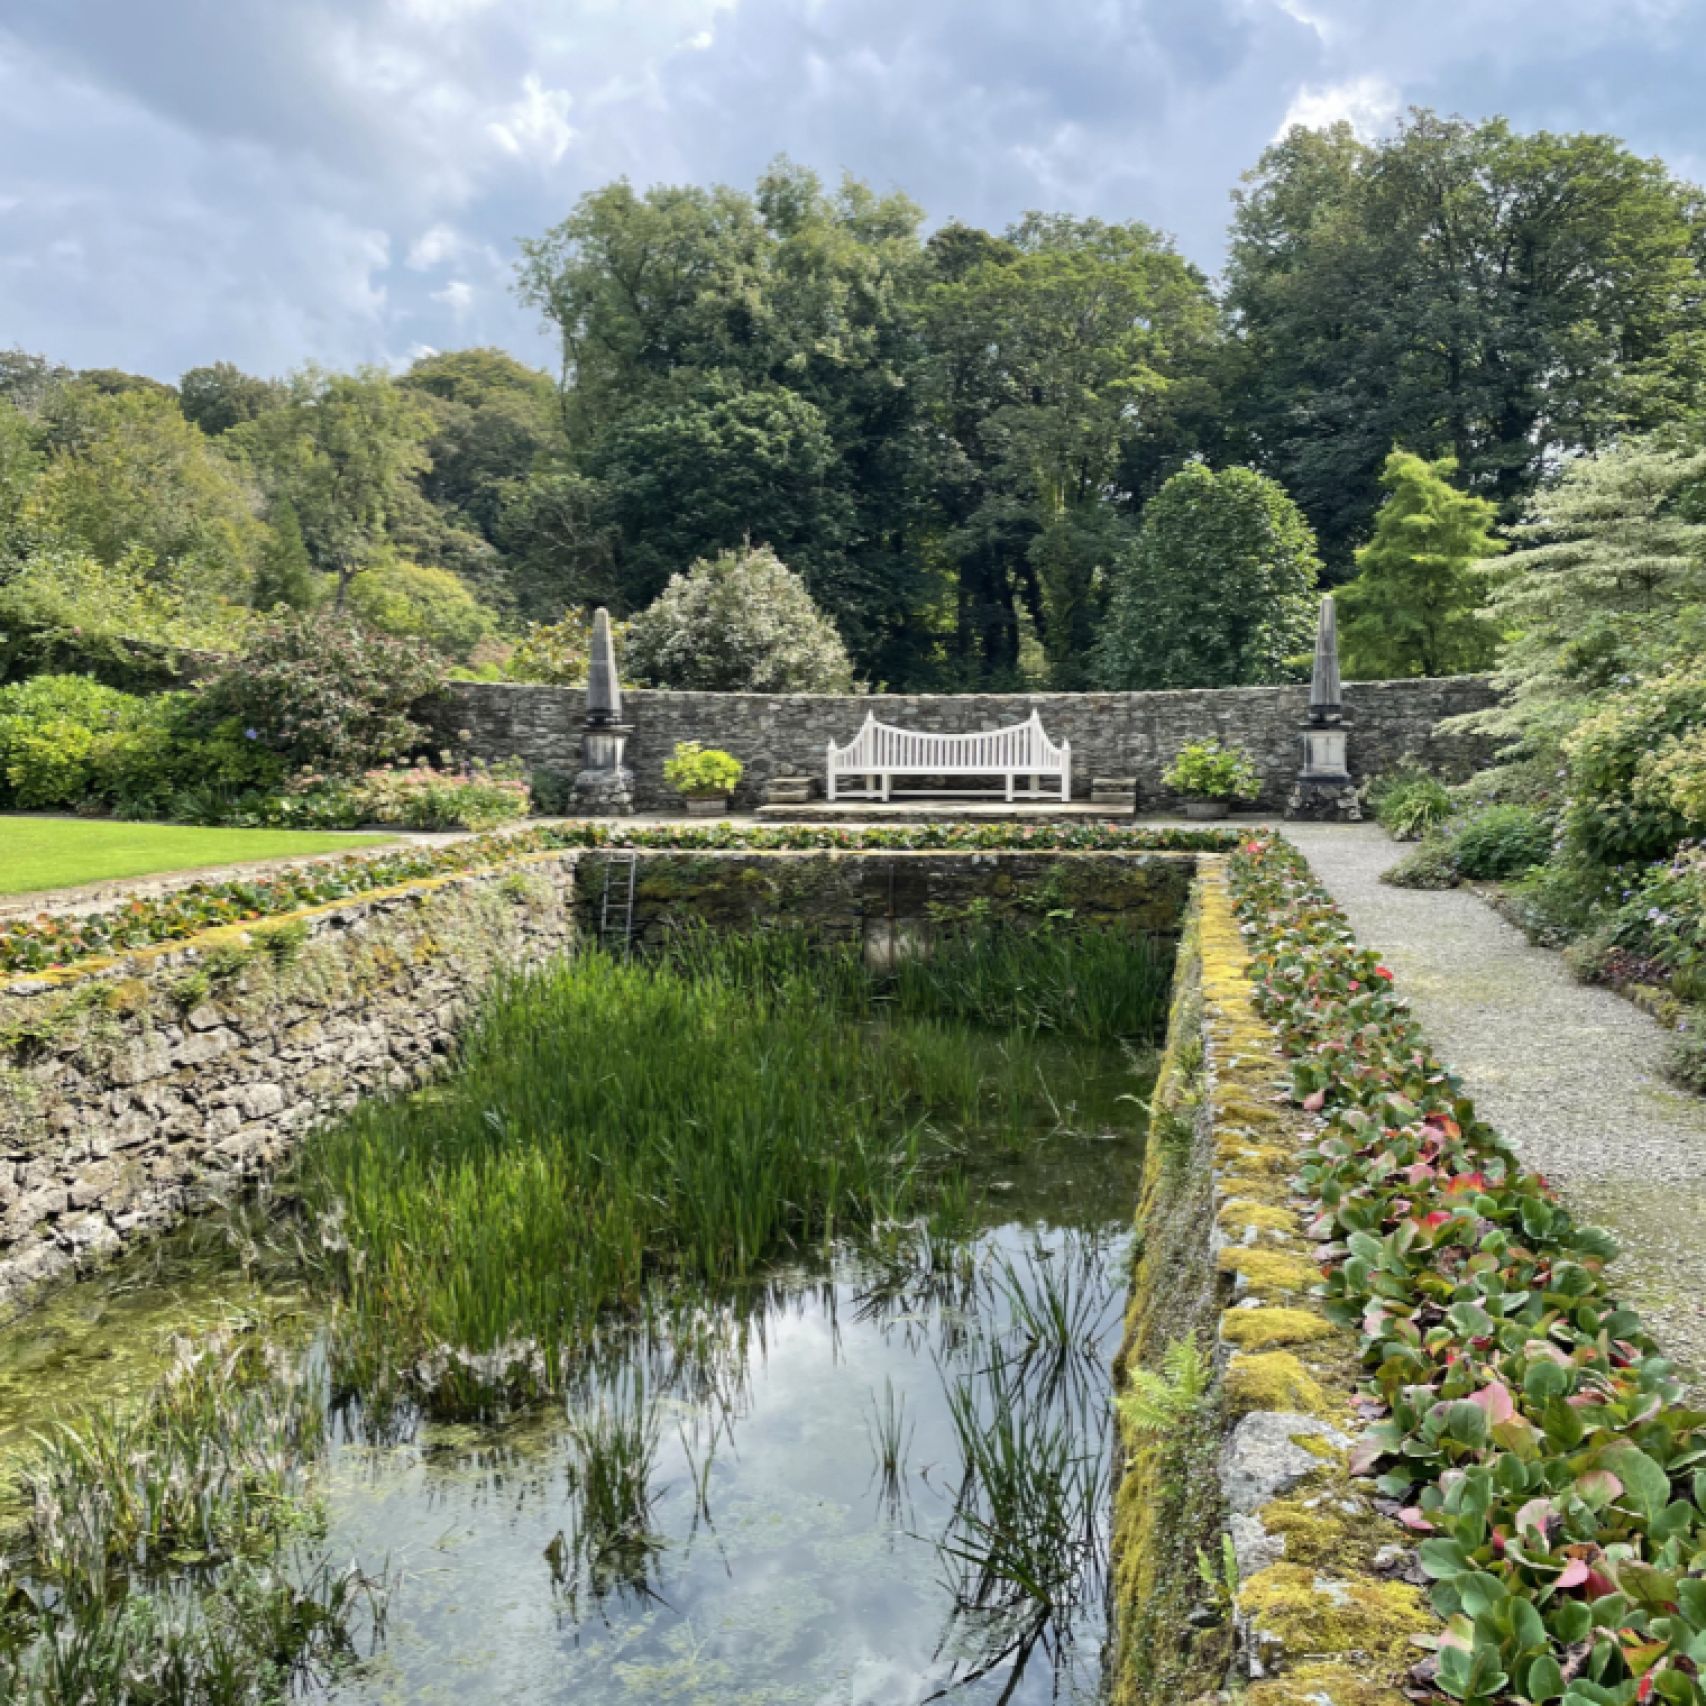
(1458, 289)
(956, 440)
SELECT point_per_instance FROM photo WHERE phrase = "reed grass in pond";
(622, 1131)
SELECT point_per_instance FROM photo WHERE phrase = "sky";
(273, 182)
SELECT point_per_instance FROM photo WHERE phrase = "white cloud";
(457, 296)
(435, 246)
(537, 126)
(1367, 103)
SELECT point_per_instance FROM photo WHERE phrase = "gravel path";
(1570, 1075)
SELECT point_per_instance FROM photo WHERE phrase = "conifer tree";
(1414, 608)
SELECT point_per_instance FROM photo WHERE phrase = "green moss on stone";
(1254, 1329)
(1313, 1615)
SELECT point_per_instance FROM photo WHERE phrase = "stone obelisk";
(1324, 789)
(605, 785)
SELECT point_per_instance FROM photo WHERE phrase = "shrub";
(323, 693)
(414, 602)
(557, 652)
(739, 622)
(1664, 919)
(69, 743)
(1685, 1060)
(1556, 902)
(1427, 866)
(1408, 803)
(696, 769)
(1206, 770)
(1635, 767)
(1500, 842)
(474, 797)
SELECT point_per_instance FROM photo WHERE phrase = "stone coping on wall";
(1318, 1590)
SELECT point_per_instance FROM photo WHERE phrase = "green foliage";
(695, 769)
(1633, 769)
(558, 652)
(1429, 865)
(414, 603)
(319, 691)
(740, 622)
(220, 396)
(69, 743)
(342, 449)
(1410, 803)
(1500, 842)
(1218, 590)
(1457, 288)
(137, 482)
(1605, 587)
(284, 575)
(1158, 1401)
(1528, 1425)
(1206, 770)
(64, 611)
(1414, 607)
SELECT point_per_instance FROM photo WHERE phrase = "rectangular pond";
(734, 1328)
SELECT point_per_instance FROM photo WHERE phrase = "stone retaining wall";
(133, 1089)
(1112, 734)
(1311, 1599)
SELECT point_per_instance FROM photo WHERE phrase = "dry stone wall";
(133, 1090)
(1112, 734)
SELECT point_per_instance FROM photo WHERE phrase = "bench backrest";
(1024, 748)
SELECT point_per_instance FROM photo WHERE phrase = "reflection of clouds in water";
(800, 1592)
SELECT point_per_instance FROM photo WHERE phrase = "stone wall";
(1314, 1595)
(1112, 734)
(134, 1089)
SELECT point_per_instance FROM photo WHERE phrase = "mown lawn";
(56, 852)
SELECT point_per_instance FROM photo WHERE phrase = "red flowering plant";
(1526, 1424)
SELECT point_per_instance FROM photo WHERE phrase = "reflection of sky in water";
(807, 1590)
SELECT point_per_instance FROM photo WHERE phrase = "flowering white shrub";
(739, 622)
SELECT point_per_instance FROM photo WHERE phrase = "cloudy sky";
(274, 181)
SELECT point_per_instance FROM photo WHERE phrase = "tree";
(285, 576)
(1458, 289)
(1218, 590)
(1058, 347)
(135, 479)
(1414, 608)
(410, 601)
(1605, 588)
(20, 463)
(739, 622)
(343, 449)
(221, 396)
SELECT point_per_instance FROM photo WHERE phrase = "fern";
(1157, 1401)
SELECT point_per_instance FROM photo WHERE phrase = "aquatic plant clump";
(1526, 1424)
(165, 1553)
(622, 1129)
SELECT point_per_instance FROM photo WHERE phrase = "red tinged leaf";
(1574, 1573)
(1381, 971)
(1412, 1518)
(1495, 1399)
(1315, 1101)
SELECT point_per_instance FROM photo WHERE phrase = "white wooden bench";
(879, 752)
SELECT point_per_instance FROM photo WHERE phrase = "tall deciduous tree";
(343, 450)
(1218, 590)
(1414, 608)
(1057, 350)
(136, 477)
(1459, 289)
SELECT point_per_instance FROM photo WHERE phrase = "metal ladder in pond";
(623, 919)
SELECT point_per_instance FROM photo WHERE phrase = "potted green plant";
(1212, 777)
(703, 776)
